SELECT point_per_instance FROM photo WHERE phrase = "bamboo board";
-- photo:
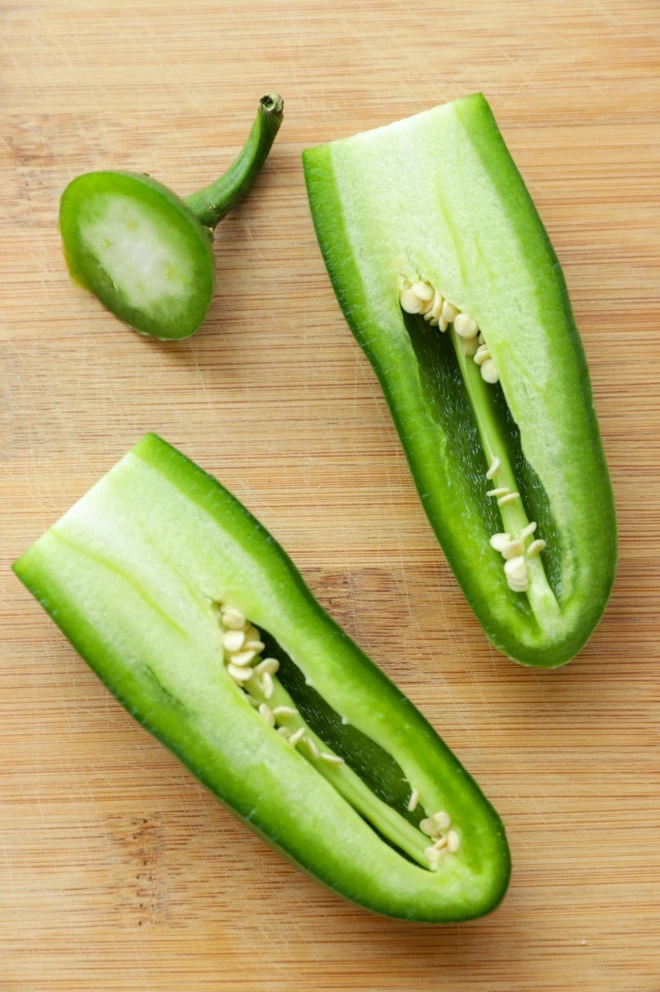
(119, 872)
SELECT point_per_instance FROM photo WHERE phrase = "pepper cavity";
(256, 676)
(421, 298)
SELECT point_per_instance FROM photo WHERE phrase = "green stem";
(514, 517)
(387, 821)
(214, 202)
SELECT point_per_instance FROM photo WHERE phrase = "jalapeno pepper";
(146, 253)
(202, 627)
(449, 282)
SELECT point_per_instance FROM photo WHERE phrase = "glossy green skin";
(438, 194)
(130, 574)
(186, 277)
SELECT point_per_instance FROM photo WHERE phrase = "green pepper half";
(448, 281)
(202, 627)
(146, 253)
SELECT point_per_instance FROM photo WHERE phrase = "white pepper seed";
(256, 646)
(284, 732)
(267, 714)
(233, 619)
(449, 312)
(512, 549)
(268, 665)
(482, 354)
(267, 686)
(453, 841)
(311, 747)
(413, 801)
(489, 371)
(515, 571)
(423, 291)
(528, 530)
(297, 736)
(233, 640)
(433, 315)
(536, 547)
(239, 674)
(243, 658)
(465, 326)
(516, 568)
(434, 856)
(469, 346)
(507, 498)
(332, 759)
(500, 541)
(410, 302)
(500, 491)
(494, 468)
(442, 819)
(284, 711)
(428, 827)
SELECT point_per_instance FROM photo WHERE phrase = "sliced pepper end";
(199, 623)
(134, 244)
(145, 253)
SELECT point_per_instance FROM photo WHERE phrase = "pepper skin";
(433, 209)
(151, 576)
(146, 253)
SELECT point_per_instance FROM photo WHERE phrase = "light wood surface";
(118, 871)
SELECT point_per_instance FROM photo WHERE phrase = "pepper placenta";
(449, 282)
(202, 627)
(146, 253)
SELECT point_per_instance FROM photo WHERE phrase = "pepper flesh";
(133, 574)
(438, 198)
(146, 253)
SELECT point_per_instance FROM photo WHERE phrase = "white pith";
(148, 262)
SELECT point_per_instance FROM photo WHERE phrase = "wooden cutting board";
(119, 872)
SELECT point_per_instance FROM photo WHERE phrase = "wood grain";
(119, 872)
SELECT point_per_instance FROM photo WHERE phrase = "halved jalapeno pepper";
(448, 281)
(202, 627)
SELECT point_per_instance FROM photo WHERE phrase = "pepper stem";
(514, 518)
(214, 202)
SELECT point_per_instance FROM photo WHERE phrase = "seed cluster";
(515, 555)
(444, 839)
(242, 653)
(421, 298)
